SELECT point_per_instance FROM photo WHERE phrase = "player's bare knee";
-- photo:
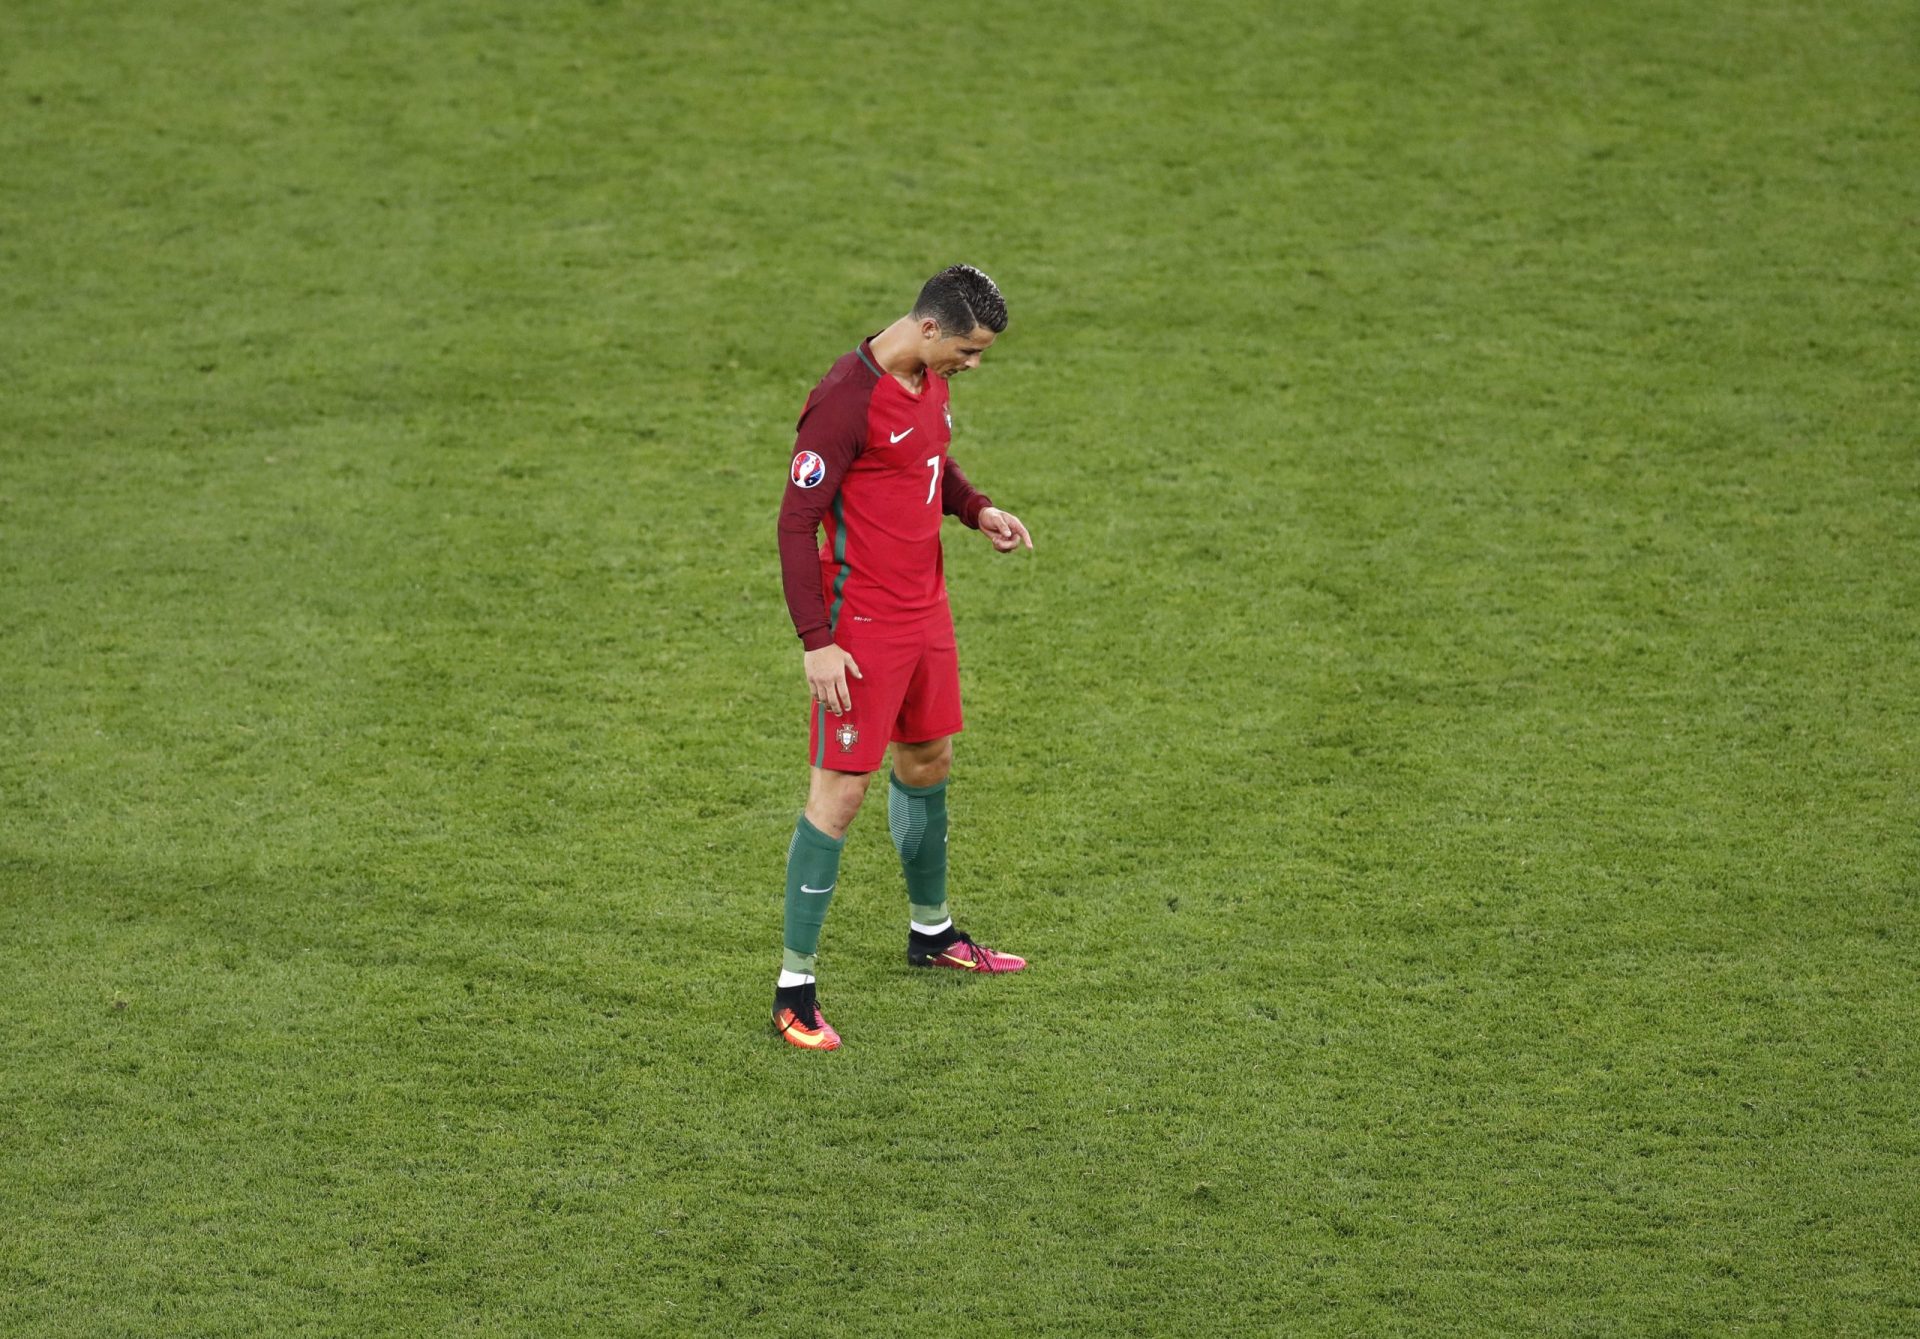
(834, 799)
(923, 764)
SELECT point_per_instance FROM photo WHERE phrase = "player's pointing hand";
(827, 670)
(1004, 529)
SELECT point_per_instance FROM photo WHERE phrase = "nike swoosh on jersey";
(903, 436)
(829, 888)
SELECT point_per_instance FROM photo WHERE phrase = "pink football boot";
(959, 952)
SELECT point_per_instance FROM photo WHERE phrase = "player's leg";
(917, 818)
(845, 751)
(917, 811)
(813, 865)
(813, 871)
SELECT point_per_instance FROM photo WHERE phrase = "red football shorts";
(908, 693)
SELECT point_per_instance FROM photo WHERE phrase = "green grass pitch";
(1453, 758)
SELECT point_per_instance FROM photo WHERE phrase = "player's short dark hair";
(962, 299)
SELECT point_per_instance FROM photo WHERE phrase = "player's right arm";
(827, 670)
(975, 509)
(831, 434)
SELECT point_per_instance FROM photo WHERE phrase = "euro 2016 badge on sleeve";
(847, 735)
(808, 469)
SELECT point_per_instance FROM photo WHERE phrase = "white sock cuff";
(791, 979)
(932, 929)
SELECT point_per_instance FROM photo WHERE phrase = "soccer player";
(870, 606)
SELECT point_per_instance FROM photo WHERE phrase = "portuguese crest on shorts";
(847, 735)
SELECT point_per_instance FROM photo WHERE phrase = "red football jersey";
(871, 464)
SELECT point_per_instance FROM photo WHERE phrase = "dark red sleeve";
(960, 498)
(834, 427)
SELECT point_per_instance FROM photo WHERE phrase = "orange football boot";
(798, 1021)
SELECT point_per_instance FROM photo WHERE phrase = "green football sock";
(917, 817)
(813, 868)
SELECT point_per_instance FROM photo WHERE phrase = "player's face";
(949, 355)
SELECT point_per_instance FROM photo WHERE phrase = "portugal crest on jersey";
(808, 469)
(847, 735)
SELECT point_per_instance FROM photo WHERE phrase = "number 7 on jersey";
(933, 463)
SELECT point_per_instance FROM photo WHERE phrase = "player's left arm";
(1004, 529)
(976, 510)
